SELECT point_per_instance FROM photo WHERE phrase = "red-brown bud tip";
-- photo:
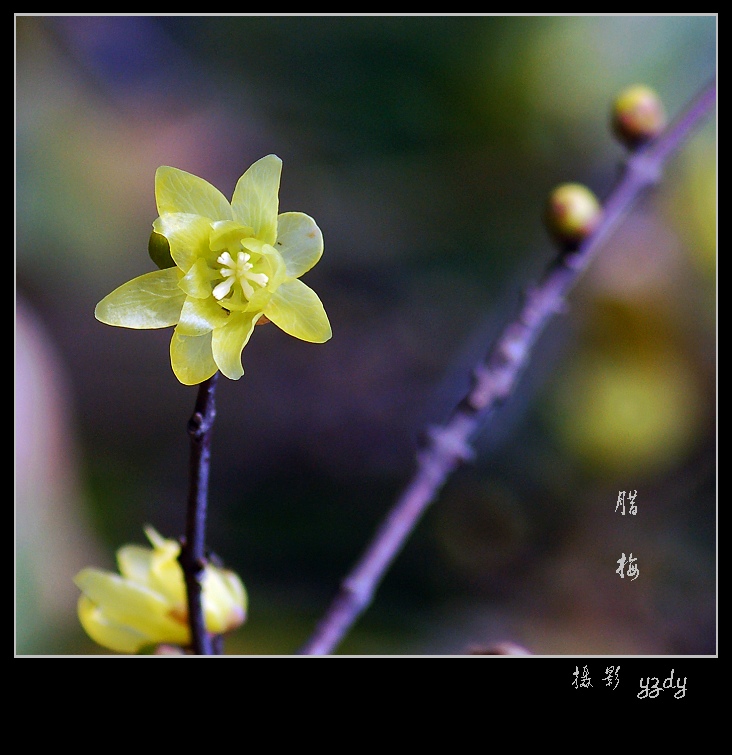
(638, 116)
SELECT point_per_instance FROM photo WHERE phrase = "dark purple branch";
(494, 380)
(193, 550)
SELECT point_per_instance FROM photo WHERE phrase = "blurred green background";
(424, 147)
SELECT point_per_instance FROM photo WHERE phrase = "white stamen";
(223, 288)
(237, 271)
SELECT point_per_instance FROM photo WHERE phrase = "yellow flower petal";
(224, 600)
(108, 633)
(178, 191)
(201, 316)
(132, 604)
(152, 300)
(274, 266)
(256, 198)
(299, 241)
(166, 579)
(296, 309)
(197, 281)
(226, 233)
(227, 342)
(191, 358)
(188, 236)
(135, 562)
(157, 570)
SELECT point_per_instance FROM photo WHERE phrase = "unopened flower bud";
(572, 213)
(638, 115)
(159, 250)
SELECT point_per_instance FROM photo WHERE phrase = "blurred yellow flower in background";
(145, 605)
(231, 263)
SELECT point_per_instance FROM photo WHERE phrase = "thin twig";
(193, 550)
(448, 446)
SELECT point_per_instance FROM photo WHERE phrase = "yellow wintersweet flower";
(233, 263)
(146, 603)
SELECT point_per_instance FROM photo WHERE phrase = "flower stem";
(193, 550)
(494, 380)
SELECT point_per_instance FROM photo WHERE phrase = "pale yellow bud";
(572, 213)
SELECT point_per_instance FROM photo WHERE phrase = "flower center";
(238, 271)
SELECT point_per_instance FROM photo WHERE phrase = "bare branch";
(193, 550)
(448, 446)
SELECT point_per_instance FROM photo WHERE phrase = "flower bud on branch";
(638, 115)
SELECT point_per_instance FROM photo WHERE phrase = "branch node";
(450, 444)
(647, 169)
(198, 426)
